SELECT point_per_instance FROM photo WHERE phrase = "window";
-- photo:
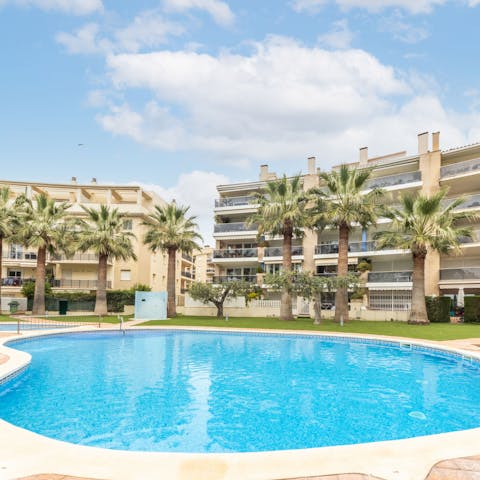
(127, 224)
(125, 275)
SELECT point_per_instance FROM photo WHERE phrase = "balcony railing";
(236, 253)
(188, 258)
(472, 273)
(389, 277)
(471, 201)
(475, 237)
(234, 227)
(69, 283)
(235, 278)
(353, 247)
(187, 274)
(78, 257)
(278, 251)
(234, 201)
(392, 180)
(19, 256)
(15, 281)
(460, 168)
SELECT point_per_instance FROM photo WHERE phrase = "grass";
(434, 331)
(75, 318)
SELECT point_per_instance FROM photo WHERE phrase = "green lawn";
(75, 318)
(435, 331)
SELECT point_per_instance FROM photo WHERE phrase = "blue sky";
(181, 95)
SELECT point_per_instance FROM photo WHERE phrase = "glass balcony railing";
(236, 253)
(472, 201)
(389, 277)
(472, 273)
(278, 251)
(235, 278)
(460, 168)
(475, 237)
(235, 201)
(78, 257)
(234, 227)
(392, 180)
(353, 247)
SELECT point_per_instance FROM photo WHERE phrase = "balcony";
(395, 180)
(472, 273)
(471, 201)
(235, 278)
(475, 238)
(235, 202)
(234, 227)
(187, 274)
(187, 258)
(460, 168)
(20, 256)
(235, 253)
(390, 277)
(78, 257)
(15, 281)
(84, 284)
(278, 252)
(353, 247)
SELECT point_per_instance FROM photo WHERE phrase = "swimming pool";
(183, 391)
(12, 327)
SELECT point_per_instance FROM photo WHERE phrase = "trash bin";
(13, 306)
(62, 307)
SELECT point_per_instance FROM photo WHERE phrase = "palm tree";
(43, 225)
(169, 229)
(346, 204)
(102, 232)
(283, 210)
(422, 224)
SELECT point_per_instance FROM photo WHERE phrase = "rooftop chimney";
(422, 143)
(263, 173)
(94, 181)
(363, 158)
(312, 165)
(435, 141)
(74, 180)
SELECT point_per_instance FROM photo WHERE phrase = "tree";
(423, 223)
(8, 223)
(217, 294)
(345, 204)
(43, 224)
(102, 233)
(169, 229)
(283, 210)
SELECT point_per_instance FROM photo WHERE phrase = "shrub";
(438, 309)
(472, 309)
(117, 299)
(140, 287)
(28, 289)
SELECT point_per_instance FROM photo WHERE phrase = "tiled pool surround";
(399, 459)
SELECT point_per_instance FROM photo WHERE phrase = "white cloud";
(412, 6)
(403, 30)
(339, 37)
(198, 190)
(283, 101)
(220, 11)
(147, 30)
(74, 7)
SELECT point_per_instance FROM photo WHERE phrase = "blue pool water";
(229, 392)
(12, 327)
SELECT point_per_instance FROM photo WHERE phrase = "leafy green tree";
(420, 224)
(217, 294)
(44, 224)
(346, 203)
(283, 210)
(28, 289)
(102, 233)
(170, 229)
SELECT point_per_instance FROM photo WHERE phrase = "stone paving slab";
(341, 476)
(53, 476)
(456, 469)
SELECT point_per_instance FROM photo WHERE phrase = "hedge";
(438, 309)
(472, 309)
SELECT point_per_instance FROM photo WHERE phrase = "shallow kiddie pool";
(186, 391)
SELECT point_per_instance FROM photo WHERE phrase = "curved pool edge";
(23, 452)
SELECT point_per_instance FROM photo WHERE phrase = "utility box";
(150, 305)
(62, 307)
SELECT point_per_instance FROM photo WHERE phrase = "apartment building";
(239, 254)
(79, 273)
(204, 268)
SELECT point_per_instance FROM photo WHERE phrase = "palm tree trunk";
(418, 313)
(171, 290)
(39, 295)
(286, 299)
(101, 307)
(341, 296)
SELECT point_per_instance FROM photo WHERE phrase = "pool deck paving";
(420, 458)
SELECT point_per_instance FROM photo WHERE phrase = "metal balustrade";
(187, 274)
(236, 253)
(460, 168)
(234, 227)
(15, 281)
(472, 273)
(392, 180)
(69, 283)
(278, 251)
(471, 201)
(235, 201)
(353, 247)
(235, 278)
(78, 257)
(19, 256)
(389, 277)
(188, 258)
